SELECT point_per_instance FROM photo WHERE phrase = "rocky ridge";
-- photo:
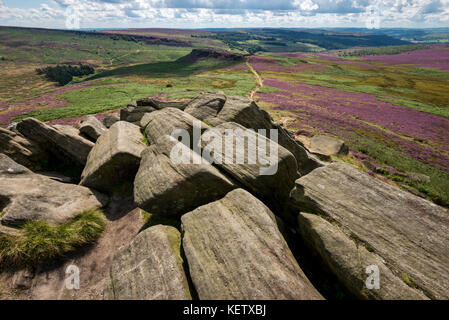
(235, 224)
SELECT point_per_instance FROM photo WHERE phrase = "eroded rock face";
(22, 150)
(167, 187)
(164, 122)
(411, 234)
(206, 106)
(150, 268)
(92, 128)
(268, 175)
(132, 113)
(327, 146)
(66, 145)
(236, 252)
(25, 196)
(159, 105)
(349, 260)
(109, 121)
(115, 159)
(217, 109)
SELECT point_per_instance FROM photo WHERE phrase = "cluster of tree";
(63, 74)
(383, 50)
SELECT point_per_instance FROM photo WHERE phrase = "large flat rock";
(115, 159)
(348, 261)
(261, 165)
(22, 150)
(25, 196)
(169, 120)
(149, 268)
(411, 234)
(217, 109)
(235, 252)
(67, 145)
(206, 106)
(175, 185)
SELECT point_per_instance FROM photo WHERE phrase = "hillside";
(88, 177)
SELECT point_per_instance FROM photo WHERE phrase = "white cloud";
(230, 13)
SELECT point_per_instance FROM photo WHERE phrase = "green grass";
(268, 89)
(97, 98)
(42, 243)
(164, 69)
(438, 188)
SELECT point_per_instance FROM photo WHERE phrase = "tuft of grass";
(2, 213)
(42, 243)
(145, 140)
(407, 280)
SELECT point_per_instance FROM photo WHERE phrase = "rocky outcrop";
(206, 107)
(236, 252)
(25, 196)
(165, 122)
(115, 159)
(22, 150)
(217, 109)
(159, 105)
(92, 128)
(411, 234)
(110, 120)
(149, 268)
(258, 163)
(134, 112)
(167, 185)
(327, 146)
(66, 145)
(348, 261)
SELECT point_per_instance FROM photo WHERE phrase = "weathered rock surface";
(248, 158)
(206, 107)
(25, 196)
(411, 234)
(217, 109)
(164, 122)
(150, 268)
(134, 114)
(349, 260)
(115, 159)
(159, 105)
(92, 128)
(63, 144)
(236, 252)
(109, 121)
(327, 146)
(22, 150)
(164, 186)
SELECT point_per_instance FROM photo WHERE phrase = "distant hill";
(287, 40)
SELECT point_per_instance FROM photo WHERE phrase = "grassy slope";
(415, 88)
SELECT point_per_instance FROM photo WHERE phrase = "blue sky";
(225, 13)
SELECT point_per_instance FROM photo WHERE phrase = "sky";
(73, 14)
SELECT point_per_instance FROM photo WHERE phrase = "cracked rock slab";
(172, 186)
(26, 196)
(410, 233)
(348, 261)
(115, 159)
(235, 252)
(149, 268)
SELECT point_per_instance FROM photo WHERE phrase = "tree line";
(63, 74)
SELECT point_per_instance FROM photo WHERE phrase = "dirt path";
(258, 79)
